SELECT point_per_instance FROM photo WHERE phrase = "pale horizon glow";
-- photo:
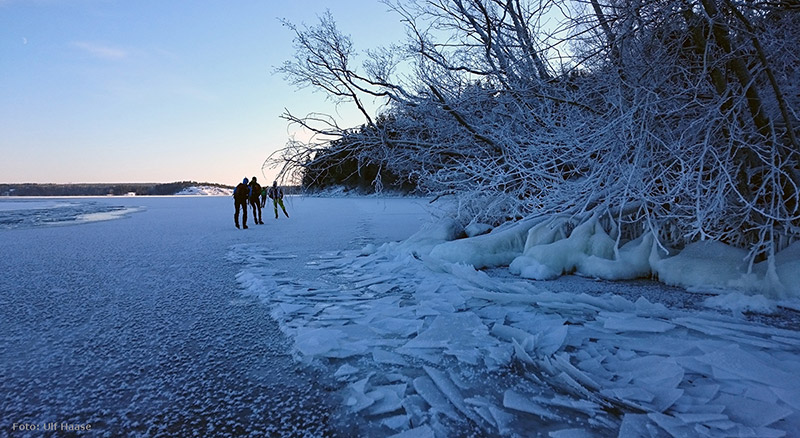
(108, 91)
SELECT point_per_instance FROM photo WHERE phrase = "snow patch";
(739, 303)
(205, 191)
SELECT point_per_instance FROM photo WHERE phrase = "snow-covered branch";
(674, 117)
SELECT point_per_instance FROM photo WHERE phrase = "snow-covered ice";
(136, 325)
(424, 343)
(391, 309)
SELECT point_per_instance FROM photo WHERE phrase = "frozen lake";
(137, 325)
(156, 317)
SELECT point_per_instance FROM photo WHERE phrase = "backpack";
(256, 191)
(241, 192)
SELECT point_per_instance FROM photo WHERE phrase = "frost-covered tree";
(675, 116)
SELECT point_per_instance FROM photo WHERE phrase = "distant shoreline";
(102, 189)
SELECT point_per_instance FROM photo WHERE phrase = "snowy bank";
(543, 249)
(205, 191)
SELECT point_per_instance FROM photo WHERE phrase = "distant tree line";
(140, 189)
(676, 117)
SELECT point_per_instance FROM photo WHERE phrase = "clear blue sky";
(157, 90)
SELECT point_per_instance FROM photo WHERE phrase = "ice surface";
(139, 326)
(425, 387)
(345, 370)
(451, 392)
(461, 335)
(499, 355)
(388, 357)
(388, 398)
(752, 413)
(417, 432)
(635, 426)
(571, 433)
(398, 326)
(37, 212)
(519, 402)
(628, 323)
(735, 361)
(355, 397)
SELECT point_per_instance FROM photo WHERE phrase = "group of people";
(252, 192)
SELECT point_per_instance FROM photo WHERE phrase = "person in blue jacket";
(241, 194)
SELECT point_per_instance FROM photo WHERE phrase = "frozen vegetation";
(615, 134)
(544, 249)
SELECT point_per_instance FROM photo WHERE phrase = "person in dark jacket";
(240, 196)
(255, 193)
